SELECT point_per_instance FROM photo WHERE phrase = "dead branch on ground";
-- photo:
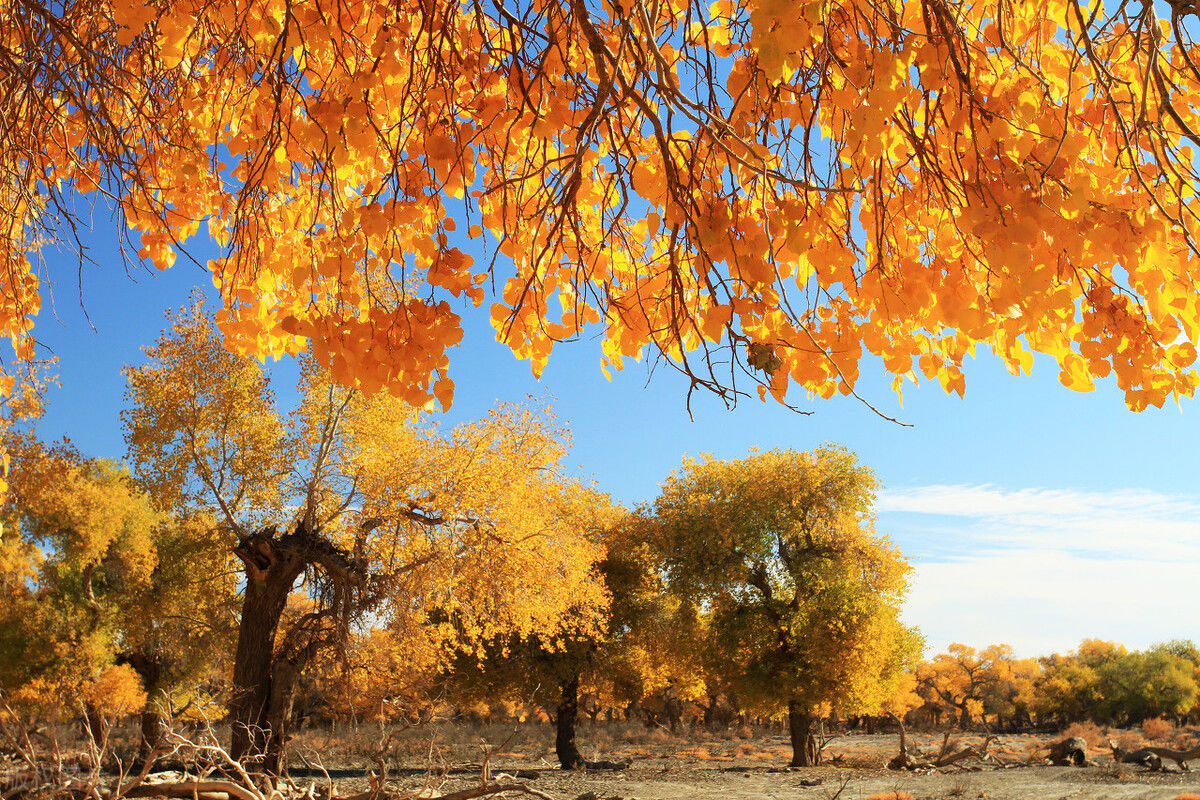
(948, 755)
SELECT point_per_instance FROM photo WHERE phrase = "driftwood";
(947, 756)
(1069, 752)
(1152, 757)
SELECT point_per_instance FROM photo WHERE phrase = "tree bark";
(97, 726)
(564, 721)
(150, 668)
(284, 678)
(271, 572)
(805, 752)
(153, 727)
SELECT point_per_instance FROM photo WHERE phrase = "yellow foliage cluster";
(798, 184)
(116, 692)
(444, 540)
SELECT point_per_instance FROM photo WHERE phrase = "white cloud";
(1042, 569)
(1128, 524)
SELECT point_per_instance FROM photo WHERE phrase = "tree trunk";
(97, 726)
(150, 668)
(564, 720)
(284, 677)
(250, 707)
(153, 727)
(805, 752)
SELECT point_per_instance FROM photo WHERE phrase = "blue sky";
(1034, 515)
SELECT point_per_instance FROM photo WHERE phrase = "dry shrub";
(745, 750)
(856, 757)
(1128, 740)
(702, 754)
(1032, 748)
(1089, 731)
(1184, 739)
(633, 752)
(646, 736)
(1157, 728)
(1008, 752)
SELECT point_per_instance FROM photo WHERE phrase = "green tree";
(803, 596)
(1067, 690)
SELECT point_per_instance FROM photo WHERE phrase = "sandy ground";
(733, 770)
(742, 765)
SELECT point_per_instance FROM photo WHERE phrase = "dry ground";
(741, 765)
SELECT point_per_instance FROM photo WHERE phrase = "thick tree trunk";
(153, 727)
(251, 704)
(564, 721)
(150, 669)
(284, 677)
(805, 752)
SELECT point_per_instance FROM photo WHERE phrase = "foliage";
(622, 646)
(456, 535)
(802, 594)
(91, 530)
(95, 573)
(116, 692)
(758, 190)
(1101, 681)
(974, 685)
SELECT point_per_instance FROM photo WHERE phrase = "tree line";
(1099, 681)
(350, 558)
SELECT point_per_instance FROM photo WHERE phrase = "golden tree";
(377, 510)
(974, 684)
(756, 190)
(94, 535)
(802, 595)
(615, 645)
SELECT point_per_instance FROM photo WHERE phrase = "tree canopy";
(360, 500)
(803, 595)
(761, 192)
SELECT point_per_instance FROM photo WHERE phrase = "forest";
(253, 573)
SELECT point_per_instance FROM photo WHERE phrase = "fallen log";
(1069, 752)
(1152, 757)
